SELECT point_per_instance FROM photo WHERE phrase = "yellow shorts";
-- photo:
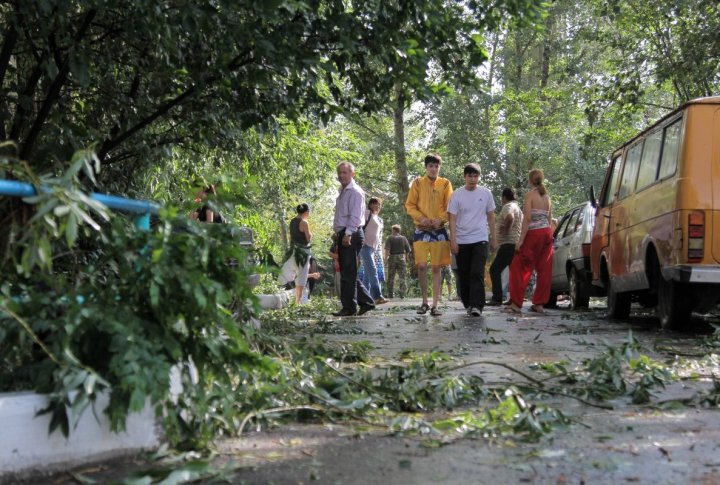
(439, 252)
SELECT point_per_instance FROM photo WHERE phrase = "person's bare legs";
(422, 278)
(437, 285)
(298, 294)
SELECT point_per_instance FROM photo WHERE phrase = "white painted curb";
(276, 301)
(25, 445)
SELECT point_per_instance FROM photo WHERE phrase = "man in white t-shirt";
(472, 213)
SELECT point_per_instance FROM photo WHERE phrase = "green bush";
(110, 307)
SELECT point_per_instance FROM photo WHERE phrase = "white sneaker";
(475, 312)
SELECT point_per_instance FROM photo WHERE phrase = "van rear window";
(631, 169)
(671, 145)
(650, 160)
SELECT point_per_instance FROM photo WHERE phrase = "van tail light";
(696, 236)
(586, 250)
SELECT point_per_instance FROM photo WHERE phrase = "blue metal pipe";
(126, 205)
(13, 188)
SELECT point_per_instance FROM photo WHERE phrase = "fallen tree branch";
(486, 362)
(283, 409)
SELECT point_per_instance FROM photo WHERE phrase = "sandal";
(435, 312)
(423, 309)
(512, 309)
(534, 309)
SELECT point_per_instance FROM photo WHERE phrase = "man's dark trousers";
(352, 291)
(471, 260)
(502, 260)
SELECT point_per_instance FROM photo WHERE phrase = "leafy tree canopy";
(137, 78)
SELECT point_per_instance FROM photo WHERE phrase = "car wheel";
(674, 306)
(618, 303)
(579, 292)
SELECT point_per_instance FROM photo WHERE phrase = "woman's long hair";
(537, 177)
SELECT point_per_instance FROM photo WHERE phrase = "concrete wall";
(26, 446)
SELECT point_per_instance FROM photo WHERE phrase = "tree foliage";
(562, 94)
(137, 78)
(101, 306)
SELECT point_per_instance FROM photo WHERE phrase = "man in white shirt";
(348, 226)
(472, 213)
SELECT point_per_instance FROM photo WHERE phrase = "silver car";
(571, 261)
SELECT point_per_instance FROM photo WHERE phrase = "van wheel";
(618, 303)
(674, 306)
(579, 292)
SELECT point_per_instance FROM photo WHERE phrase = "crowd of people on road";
(453, 228)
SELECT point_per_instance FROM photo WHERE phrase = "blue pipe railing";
(142, 208)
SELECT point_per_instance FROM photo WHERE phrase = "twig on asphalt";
(486, 362)
(283, 409)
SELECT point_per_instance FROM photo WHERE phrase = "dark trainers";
(423, 309)
(475, 312)
(364, 309)
(344, 313)
(494, 303)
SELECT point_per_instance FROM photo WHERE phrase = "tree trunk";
(282, 216)
(401, 170)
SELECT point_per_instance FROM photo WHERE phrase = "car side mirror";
(593, 201)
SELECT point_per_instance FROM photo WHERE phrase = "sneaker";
(364, 309)
(475, 312)
(344, 313)
(494, 303)
(380, 301)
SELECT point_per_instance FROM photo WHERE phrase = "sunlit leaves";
(145, 77)
(62, 209)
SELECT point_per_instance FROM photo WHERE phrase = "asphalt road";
(626, 444)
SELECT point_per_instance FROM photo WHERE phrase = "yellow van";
(657, 224)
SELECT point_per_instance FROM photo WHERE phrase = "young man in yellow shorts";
(427, 204)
